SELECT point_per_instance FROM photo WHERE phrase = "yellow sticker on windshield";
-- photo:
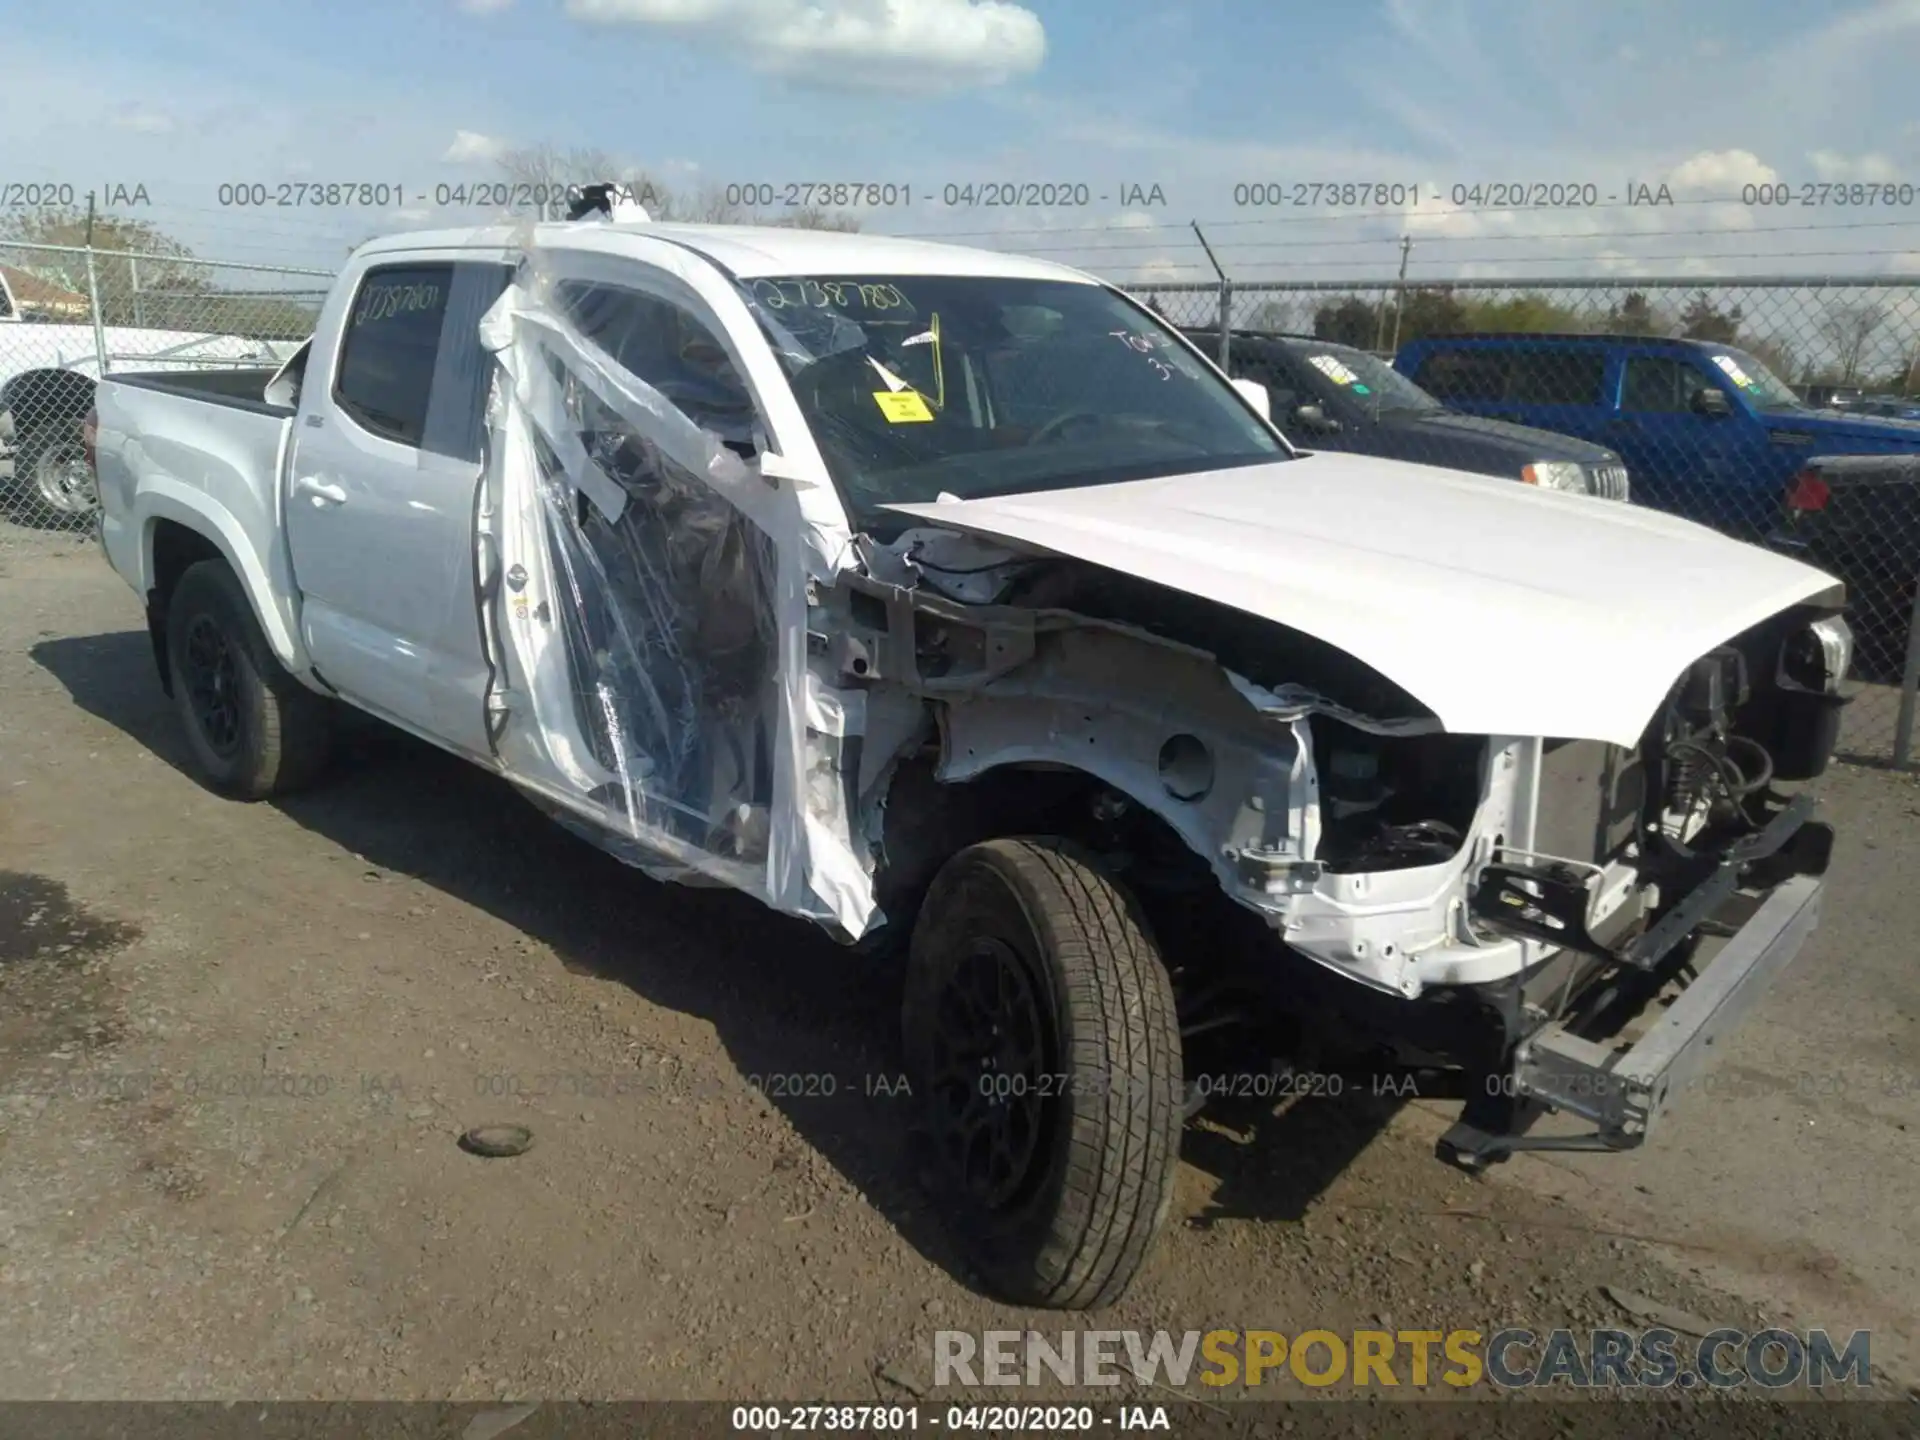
(902, 407)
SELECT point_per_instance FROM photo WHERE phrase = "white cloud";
(1162, 269)
(1717, 174)
(141, 120)
(853, 44)
(470, 147)
(485, 7)
(1831, 165)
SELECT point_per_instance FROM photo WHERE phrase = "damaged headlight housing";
(1816, 657)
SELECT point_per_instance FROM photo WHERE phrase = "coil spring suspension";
(1686, 774)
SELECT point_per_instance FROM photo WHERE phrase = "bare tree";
(1780, 357)
(547, 179)
(1848, 328)
(551, 178)
(812, 217)
(1270, 316)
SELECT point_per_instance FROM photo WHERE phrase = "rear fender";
(268, 581)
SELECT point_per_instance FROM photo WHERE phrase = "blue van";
(1706, 430)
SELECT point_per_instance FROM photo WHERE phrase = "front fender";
(1161, 724)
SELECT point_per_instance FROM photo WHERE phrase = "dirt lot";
(237, 1044)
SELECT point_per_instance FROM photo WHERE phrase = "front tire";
(255, 731)
(1042, 1044)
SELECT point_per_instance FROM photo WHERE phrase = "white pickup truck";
(925, 592)
(47, 374)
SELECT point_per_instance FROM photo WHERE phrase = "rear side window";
(391, 345)
(1555, 377)
(1524, 376)
(1274, 368)
(411, 368)
(1464, 375)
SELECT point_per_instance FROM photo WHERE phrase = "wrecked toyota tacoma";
(953, 599)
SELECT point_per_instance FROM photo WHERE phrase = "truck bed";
(201, 441)
(238, 388)
(1858, 517)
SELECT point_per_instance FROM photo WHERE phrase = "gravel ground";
(237, 1045)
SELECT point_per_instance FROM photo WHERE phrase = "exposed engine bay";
(1324, 798)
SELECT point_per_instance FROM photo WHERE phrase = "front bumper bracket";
(1623, 1092)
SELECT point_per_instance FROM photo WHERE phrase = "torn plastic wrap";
(653, 609)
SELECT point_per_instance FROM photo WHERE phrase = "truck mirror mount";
(1311, 417)
(1711, 401)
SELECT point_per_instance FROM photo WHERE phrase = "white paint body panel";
(1505, 610)
(212, 468)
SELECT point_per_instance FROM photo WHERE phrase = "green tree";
(1431, 312)
(1634, 315)
(1528, 313)
(1351, 321)
(1702, 321)
(163, 264)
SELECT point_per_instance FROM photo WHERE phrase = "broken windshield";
(921, 386)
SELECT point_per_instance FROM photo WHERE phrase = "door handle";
(322, 493)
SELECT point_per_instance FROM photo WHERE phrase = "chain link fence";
(70, 314)
(1812, 445)
(1784, 412)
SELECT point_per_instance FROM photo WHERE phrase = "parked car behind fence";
(1326, 396)
(65, 322)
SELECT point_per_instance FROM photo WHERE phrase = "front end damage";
(1517, 922)
(700, 668)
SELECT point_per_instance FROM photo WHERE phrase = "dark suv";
(1334, 397)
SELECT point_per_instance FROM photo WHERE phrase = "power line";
(1396, 216)
(1426, 240)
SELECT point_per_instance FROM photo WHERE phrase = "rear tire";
(1042, 1044)
(255, 731)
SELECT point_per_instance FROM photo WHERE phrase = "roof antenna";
(610, 200)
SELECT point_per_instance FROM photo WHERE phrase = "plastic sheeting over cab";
(645, 573)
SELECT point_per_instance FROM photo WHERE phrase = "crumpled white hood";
(1505, 610)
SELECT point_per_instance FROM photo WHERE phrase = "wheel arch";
(176, 536)
(37, 398)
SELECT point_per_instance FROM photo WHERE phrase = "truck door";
(1683, 460)
(1558, 387)
(382, 480)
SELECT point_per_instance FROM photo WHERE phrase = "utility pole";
(1225, 302)
(1379, 334)
(93, 297)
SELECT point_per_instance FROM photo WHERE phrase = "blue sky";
(1705, 97)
